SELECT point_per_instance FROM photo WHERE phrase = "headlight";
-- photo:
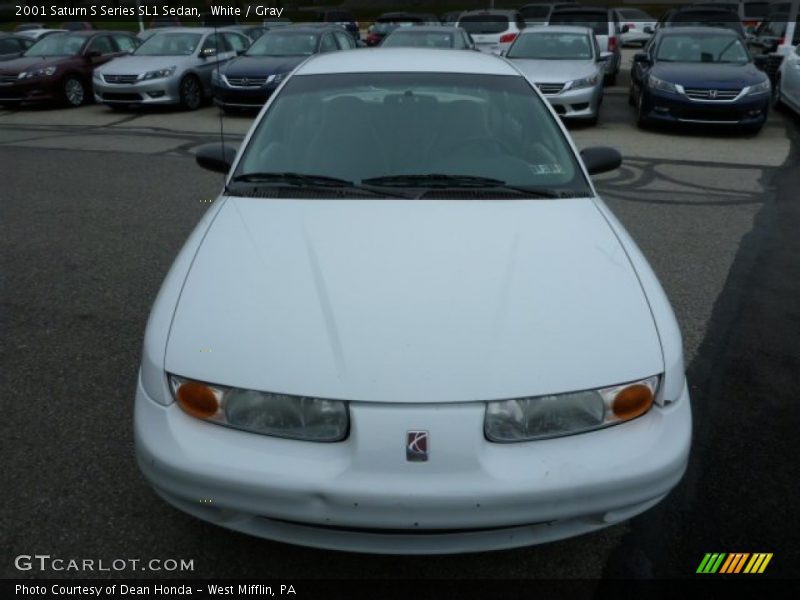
(276, 78)
(659, 84)
(43, 72)
(280, 415)
(158, 74)
(523, 419)
(582, 83)
(758, 89)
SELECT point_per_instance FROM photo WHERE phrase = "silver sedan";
(567, 67)
(172, 66)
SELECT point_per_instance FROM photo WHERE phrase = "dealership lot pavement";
(95, 204)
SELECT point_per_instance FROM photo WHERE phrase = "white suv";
(492, 30)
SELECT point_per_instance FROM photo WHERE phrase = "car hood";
(23, 63)
(555, 71)
(134, 65)
(704, 75)
(254, 66)
(404, 301)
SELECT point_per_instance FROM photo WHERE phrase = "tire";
(191, 92)
(74, 91)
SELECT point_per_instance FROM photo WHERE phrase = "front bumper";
(43, 89)
(677, 108)
(577, 104)
(155, 91)
(362, 495)
(243, 97)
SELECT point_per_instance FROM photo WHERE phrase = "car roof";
(557, 29)
(406, 60)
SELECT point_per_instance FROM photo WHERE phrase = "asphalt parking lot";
(96, 203)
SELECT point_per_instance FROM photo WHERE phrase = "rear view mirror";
(605, 56)
(600, 159)
(216, 157)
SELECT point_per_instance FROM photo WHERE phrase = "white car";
(492, 30)
(640, 26)
(787, 85)
(446, 343)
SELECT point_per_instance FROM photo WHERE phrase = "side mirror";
(641, 58)
(625, 29)
(605, 56)
(93, 54)
(648, 29)
(216, 157)
(208, 52)
(600, 159)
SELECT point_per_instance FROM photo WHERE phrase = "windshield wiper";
(440, 181)
(291, 178)
(306, 181)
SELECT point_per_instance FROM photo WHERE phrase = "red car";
(58, 68)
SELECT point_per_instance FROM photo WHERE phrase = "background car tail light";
(612, 43)
(632, 402)
(197, 399)
(507, 38)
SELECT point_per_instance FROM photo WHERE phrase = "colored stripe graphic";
(711, 562)
(720, 562)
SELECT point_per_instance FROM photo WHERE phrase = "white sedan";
(410, 325)
(786, 91)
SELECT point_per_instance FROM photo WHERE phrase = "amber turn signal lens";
(197, 399)
(632, 402)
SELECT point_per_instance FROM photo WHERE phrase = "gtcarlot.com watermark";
(45, 562)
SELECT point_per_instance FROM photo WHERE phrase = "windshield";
(58, 45)
(484, 24)
(169, 44)
(597, 22)
(284, 43)
(421, 39)
(704, 48)
(552, 46)
(390, 129)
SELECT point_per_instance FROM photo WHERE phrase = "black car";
(248, 81)
(699, 75)
(12, 46)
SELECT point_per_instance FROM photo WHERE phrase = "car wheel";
(191, 92)
(74, 91)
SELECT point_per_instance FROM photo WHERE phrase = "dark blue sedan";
(249, 80)
(699, 75)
